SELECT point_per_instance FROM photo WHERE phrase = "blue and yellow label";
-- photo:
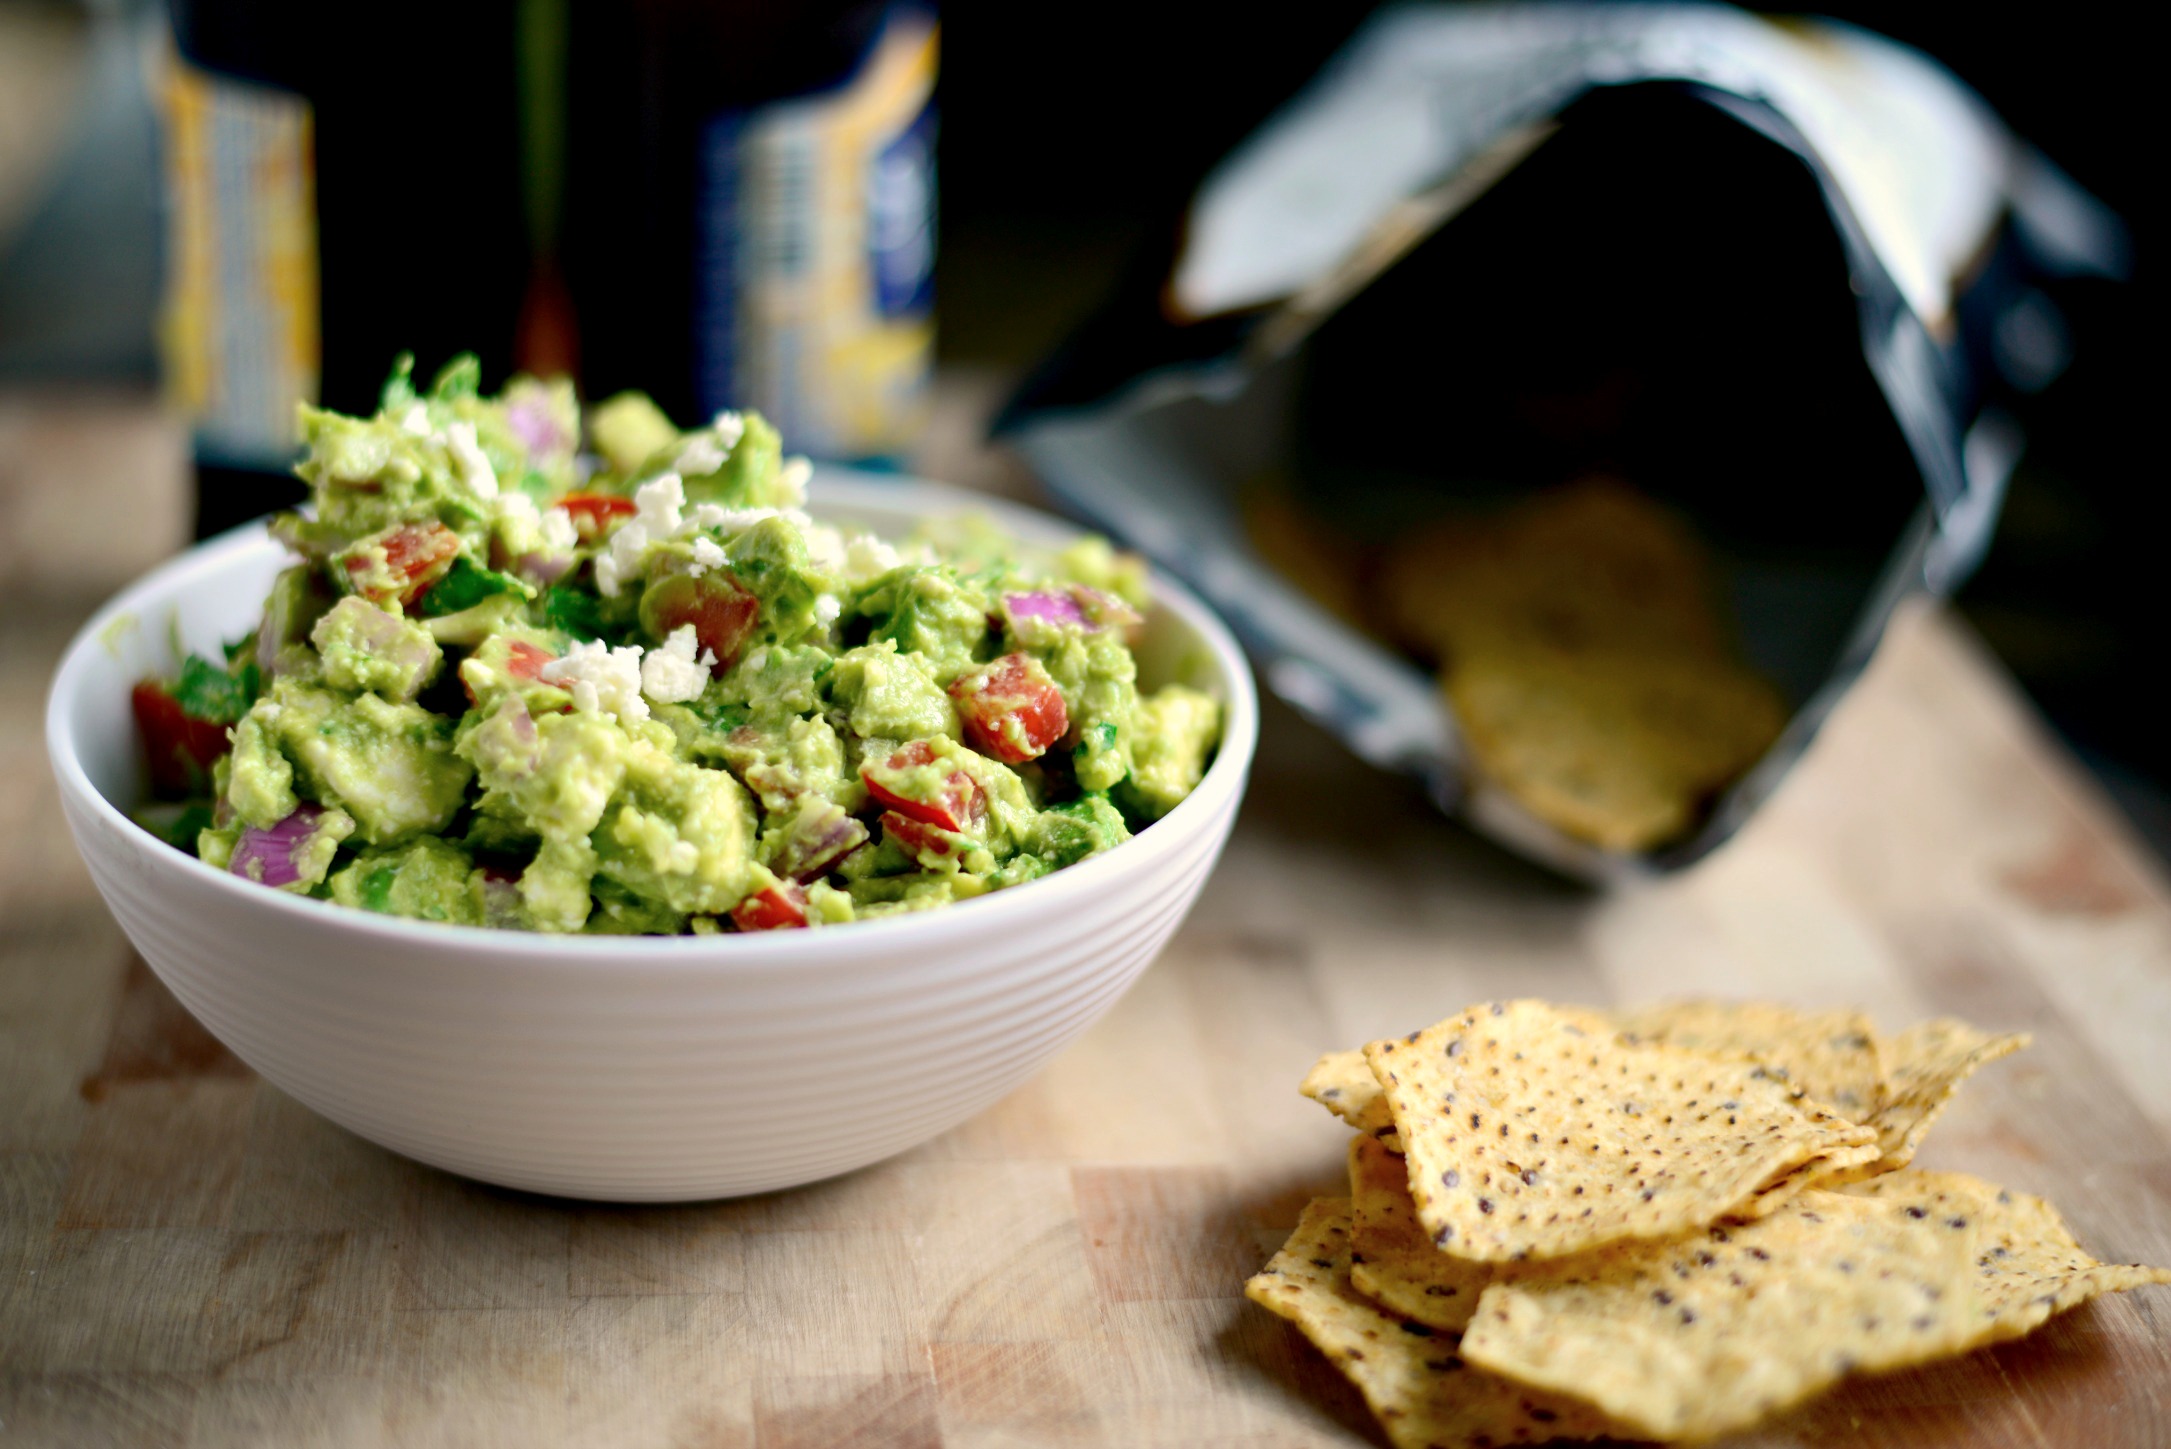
(238, 328)
(814, 254)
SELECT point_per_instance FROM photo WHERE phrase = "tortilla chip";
(1829, 1056)
(1622, 750)
(1420, 1388)
(1392, 1259)
(1342, 1082)
(2028, 1265)
(1924, 1066)
(1586, 659)
(1714, 1332)
(1534, 1133)
(1589, 567)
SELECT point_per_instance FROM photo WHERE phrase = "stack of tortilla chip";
(1584, 653)
(1582, 647)
(1660, 1224)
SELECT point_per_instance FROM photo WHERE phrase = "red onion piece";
(267, 856)
(821, 835)
(1104, 608)
(532, 422)
(543, 568)
(1077, 607)
(1056, 608)
(1025, 610)
(501, 898)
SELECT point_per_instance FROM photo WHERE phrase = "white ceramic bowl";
(636, 1069)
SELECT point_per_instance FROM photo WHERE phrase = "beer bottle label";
(814, 254)
(238, 328)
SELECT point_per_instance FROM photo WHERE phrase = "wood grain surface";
(189, 1258)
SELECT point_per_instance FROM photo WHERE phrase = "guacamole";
(537, 671)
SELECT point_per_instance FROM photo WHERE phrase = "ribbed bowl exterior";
(626, 1068)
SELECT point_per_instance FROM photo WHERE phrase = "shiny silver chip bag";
(1494, 245)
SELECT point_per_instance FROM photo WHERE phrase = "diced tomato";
(416, 556)
(930, 845)
(594, 513)
(1011, 708)
(723, 614)
(525, 661)
(773, 908)
(422, 553)
(522, 661)
(181, 749)
(900, 782)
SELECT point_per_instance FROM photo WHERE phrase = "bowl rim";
(834, 489)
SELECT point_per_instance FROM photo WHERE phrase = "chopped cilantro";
(461, 377)
(464, 586)
(399, 384)
(720, 715)
(178, 824)
(575, 611)
(377, 888)
(207, 692)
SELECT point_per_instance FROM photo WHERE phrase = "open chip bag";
(1623, 367)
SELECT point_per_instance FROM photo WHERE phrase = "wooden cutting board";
(187, 1257)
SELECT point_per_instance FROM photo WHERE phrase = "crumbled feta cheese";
(657, 506)
(699, 456)
(602, 680)
(658, 502)
(867, 558)
(714, 516)
(468, 460)
(792, 478)
(756, 660)
(531, 534)
(518, 524)
(825, 548)
(729, 427)
(707, 555)
(621, 558)
(416, 420)
(739, 520)
(516, 512)
(675, 670)
(559, 534)
(826, 609)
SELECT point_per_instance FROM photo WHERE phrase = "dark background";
(1072, 134)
